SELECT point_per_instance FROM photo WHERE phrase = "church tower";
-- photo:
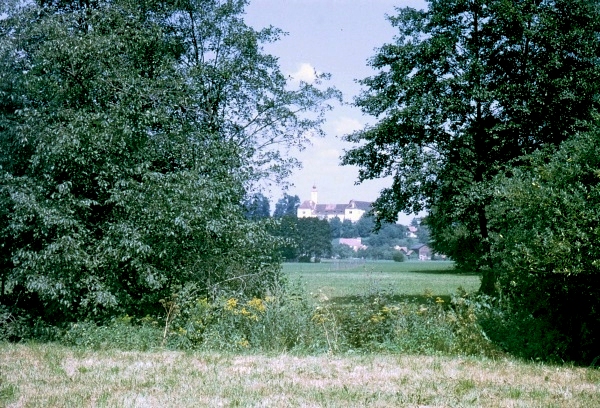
(313, 195)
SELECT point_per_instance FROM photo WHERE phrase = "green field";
(343, 282)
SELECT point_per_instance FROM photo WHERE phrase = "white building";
(351, 211)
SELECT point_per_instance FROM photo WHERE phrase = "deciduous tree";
(547, 220)
(130, 132)
(466, 89)
(257, 207)
(287, 206)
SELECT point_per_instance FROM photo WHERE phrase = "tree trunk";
(486, 268)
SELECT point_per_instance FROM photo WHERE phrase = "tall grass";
(292, 321)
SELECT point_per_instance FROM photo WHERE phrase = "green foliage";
(335, 224)
(342, 251)
(303, 238)
(286, 206)
(129, 135)
(314, 237)
(348, 229)
(382, 242)
(365, 226)
(289, 321)
(548, 222)
(278, 322)
(257, 207)
(466, 88)
(398, 257)
(376, 323)
(120, 334)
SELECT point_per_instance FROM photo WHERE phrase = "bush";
(290, 320)
(428, 327)
(547, 250)
(282, 321)
(124, 333)
(398, 257)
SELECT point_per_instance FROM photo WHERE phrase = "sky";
(337, 37)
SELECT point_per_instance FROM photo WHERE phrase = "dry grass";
(54, 376)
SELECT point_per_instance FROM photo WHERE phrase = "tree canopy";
(467, 88)
(130, 133)
(287, 206)
(547, 220)
(257, 207)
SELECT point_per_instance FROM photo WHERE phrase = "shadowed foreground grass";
(53, 376)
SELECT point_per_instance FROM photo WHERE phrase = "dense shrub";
(288, 320)
(281, 321)
(398, 257)
(124, 333)
(546, 248)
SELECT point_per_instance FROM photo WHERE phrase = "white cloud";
(345, 125)
(306, 73)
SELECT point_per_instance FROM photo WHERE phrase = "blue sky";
(334, 36)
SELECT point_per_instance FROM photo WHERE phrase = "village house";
(354, 243)
(423, 250)
(352, 211)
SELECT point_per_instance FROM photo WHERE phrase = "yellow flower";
(389, 309)
(377, 318)
(231, 304)
(257, 304)
(439, 300)
(244, 343)
(269, 299)
(319, 318)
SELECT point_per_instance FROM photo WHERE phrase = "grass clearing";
(53, 376)
(344, 282)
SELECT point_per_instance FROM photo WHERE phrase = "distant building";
(354, 243)
(423, 250)
(412, 232)
(351, 211)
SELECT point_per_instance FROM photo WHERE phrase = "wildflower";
(377, 318)
(244, 343)
(257, 304)
(439, 300)
(269, 299)
(389, 309)
(319, 318)
(231, 304)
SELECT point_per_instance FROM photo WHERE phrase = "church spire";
(313, 194)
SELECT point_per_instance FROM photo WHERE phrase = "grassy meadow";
(54, 376)
(345, 281)
(337, 345)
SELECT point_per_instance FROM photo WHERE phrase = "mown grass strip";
(53, 376)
